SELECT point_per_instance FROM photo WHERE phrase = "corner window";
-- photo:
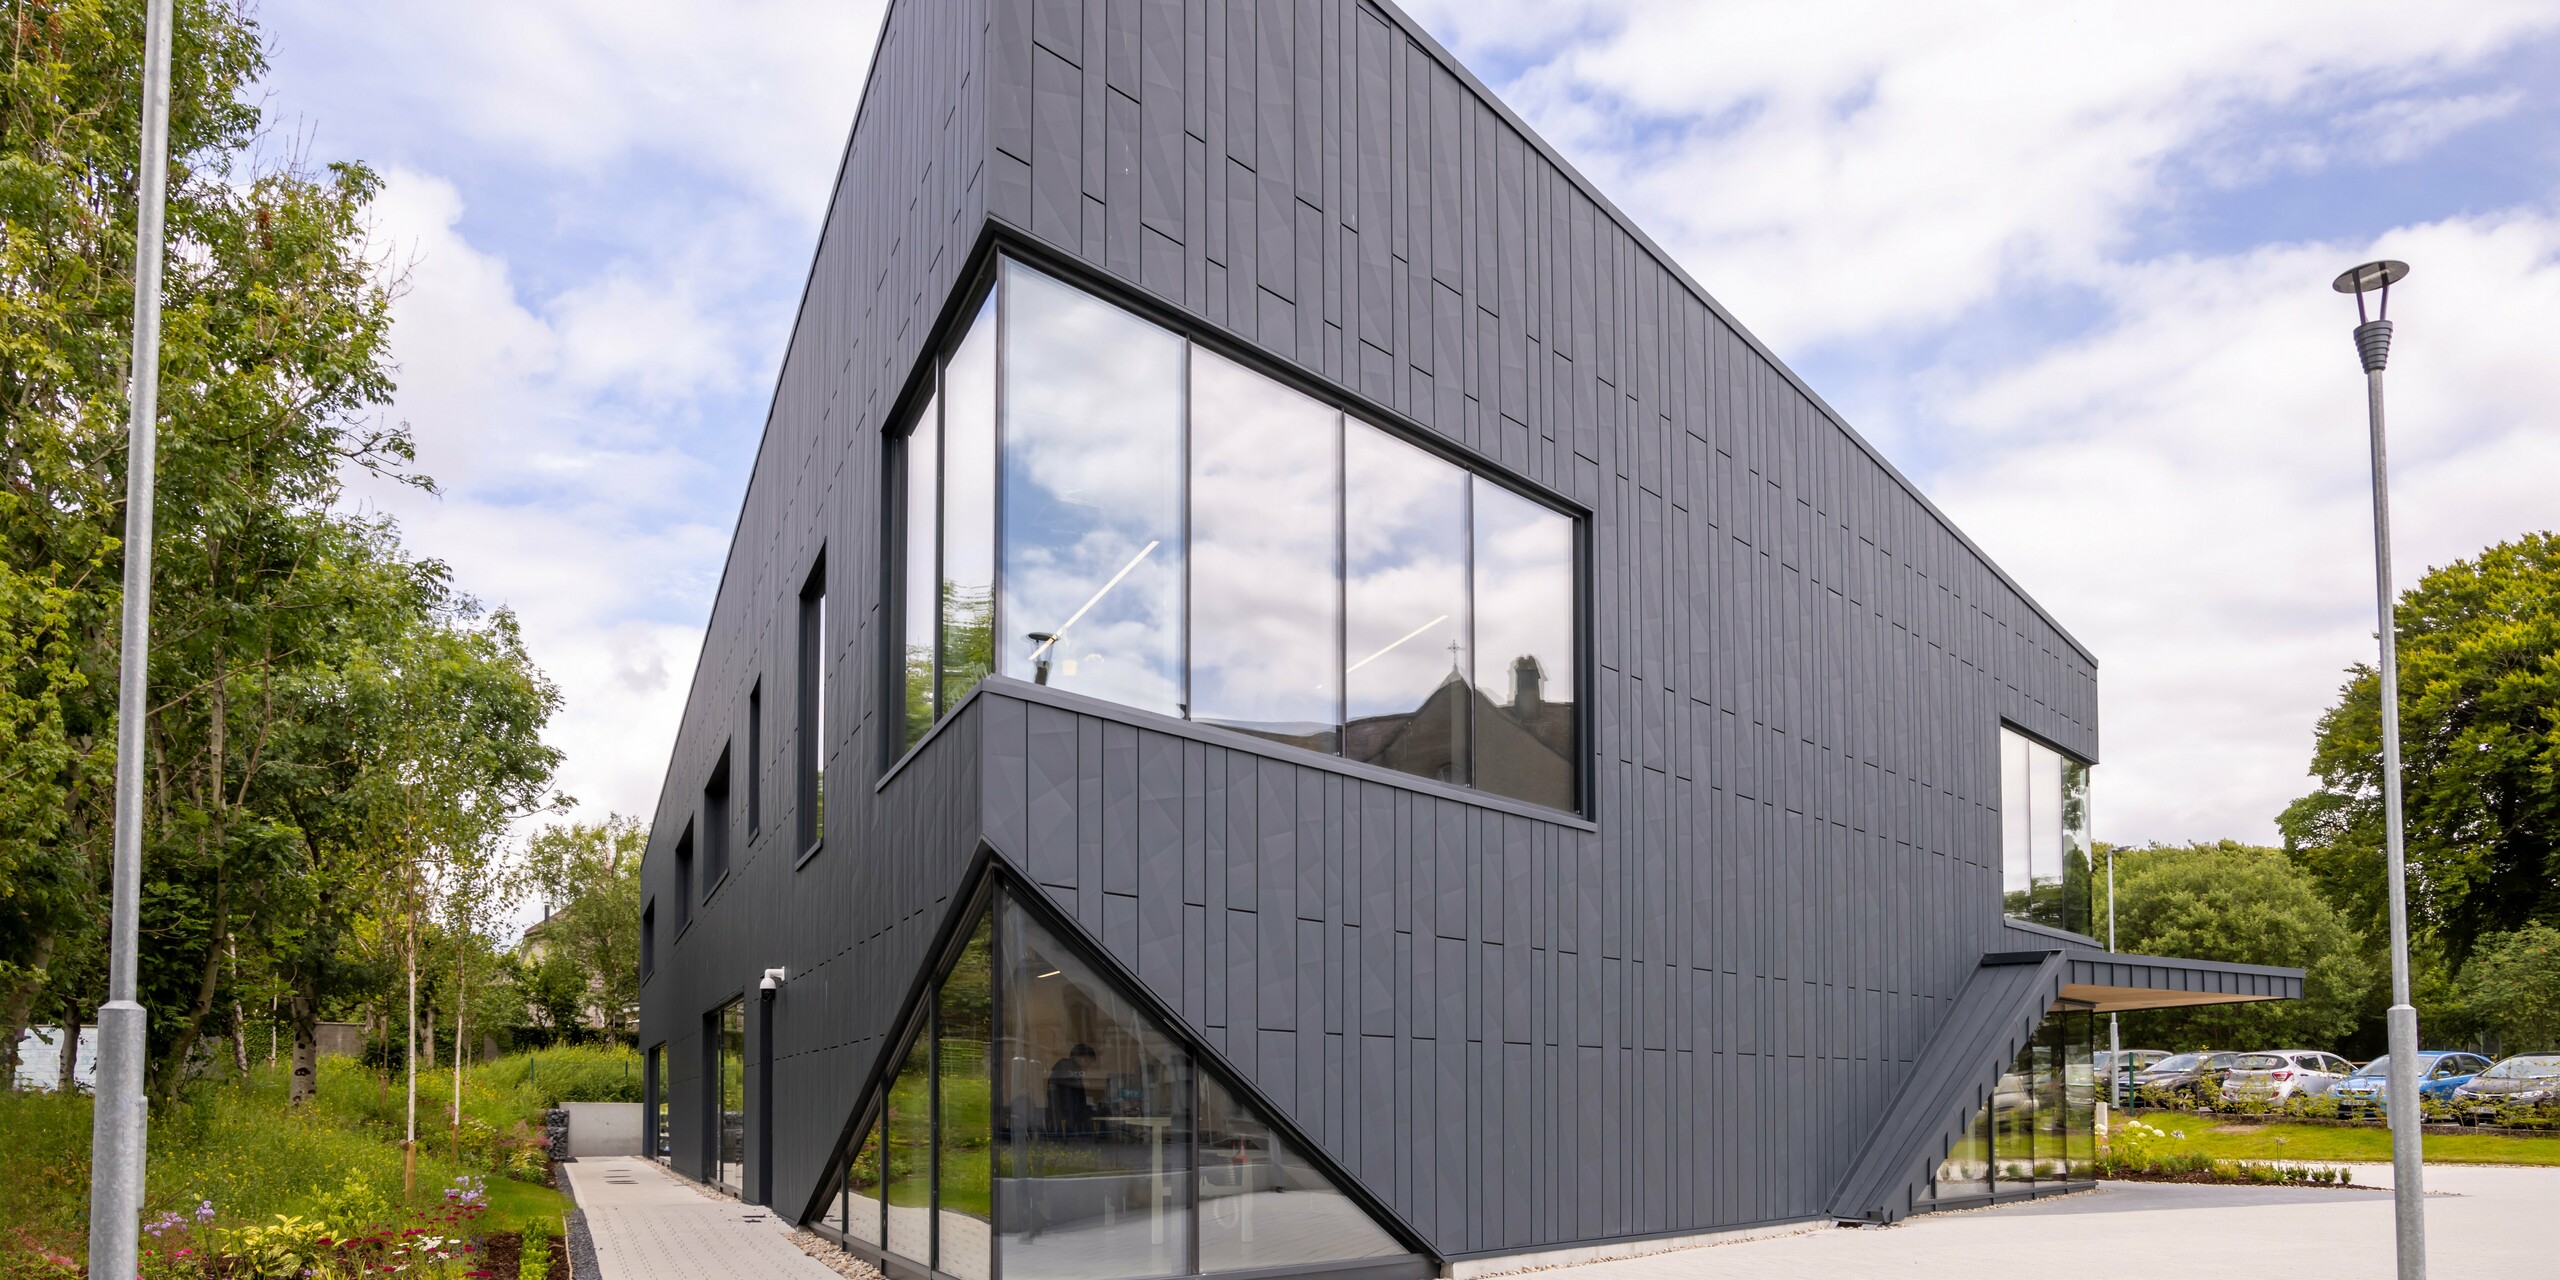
(2044, 834)
(1182, 534)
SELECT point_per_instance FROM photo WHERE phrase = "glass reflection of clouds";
(1182, 534)
(1092, 473)
(1405, 606)
(1266, 516)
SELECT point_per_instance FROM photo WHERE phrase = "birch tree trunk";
(409, 1145)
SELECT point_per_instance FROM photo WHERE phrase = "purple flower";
(204, 1211)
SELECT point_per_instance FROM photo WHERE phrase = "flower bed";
(2137, 1151)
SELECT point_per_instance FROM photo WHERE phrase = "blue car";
(2439, 1074)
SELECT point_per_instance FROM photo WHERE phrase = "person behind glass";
(1071, 1114)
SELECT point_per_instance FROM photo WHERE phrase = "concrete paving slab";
(2481, 1222)
(647, 1224)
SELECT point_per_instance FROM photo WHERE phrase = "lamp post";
(116, 1143)
(2115, 1044)
(2373, 345)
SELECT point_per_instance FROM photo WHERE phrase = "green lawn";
(2229, 1138)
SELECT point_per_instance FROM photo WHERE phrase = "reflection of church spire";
(1457, 664)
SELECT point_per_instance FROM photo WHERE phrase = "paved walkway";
(650, 1225)
(2481, 1223)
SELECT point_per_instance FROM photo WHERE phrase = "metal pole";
(116, 1139)
(2373, 343)
(2115, 1046)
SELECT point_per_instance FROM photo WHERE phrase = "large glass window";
(1042, 1128)
(1183, 534)
(2044, 834)
(729, 1096)
(859, 1214)
(1262, 1204)
(1526, 740)
(1266, 591)
(2039, 1131)
(1405, 618)
(1091, 572)
(1094, 1138)
(964, 1024)
(906, 1158)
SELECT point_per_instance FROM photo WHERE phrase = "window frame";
(648, 939)
(1351, 408)
(809, 713)
(713, 849)
(755, 759)
(2003, 729)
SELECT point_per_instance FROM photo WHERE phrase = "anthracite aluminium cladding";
(1514, 1028)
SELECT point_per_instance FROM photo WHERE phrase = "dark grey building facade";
(1072, 863)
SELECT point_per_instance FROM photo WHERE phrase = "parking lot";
(2481, 1223)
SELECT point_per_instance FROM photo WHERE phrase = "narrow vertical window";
(968, 588)
(1409, 677)
(648, 941)
(684, 879)
(812, 729)
(755, 760)
(715, 823)
(920, 607)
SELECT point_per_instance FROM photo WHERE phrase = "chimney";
(1527, 678)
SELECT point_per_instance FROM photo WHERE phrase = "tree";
(2511, 988)
(2479, 646)
(588, 875)
(2233, 902)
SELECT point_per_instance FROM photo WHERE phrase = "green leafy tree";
(2511, 988)
(588, 875)
(2233, 902)
(2479, 647)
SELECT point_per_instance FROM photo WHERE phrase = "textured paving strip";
(649, 1225)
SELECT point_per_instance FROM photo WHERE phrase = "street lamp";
(2373, 345)
(119, 1122)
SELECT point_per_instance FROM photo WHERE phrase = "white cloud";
(2187, 491)
(1838, 170)
(588, 523)
(756, 92)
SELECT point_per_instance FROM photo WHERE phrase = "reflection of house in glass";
(1319, 708)
(1522, 746)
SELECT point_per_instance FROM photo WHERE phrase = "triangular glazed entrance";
(1041, 1124)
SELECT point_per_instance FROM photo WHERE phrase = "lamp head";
(2370, 276)
(2373, 334)
(772, 981)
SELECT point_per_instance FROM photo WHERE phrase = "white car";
(2279, 1074)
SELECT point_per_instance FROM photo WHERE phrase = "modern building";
(1293, 697)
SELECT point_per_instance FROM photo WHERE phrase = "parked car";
(2440, 1072)
(2187, 1077)
(2278, 1074)
(2125, 1064)
(2526, 1080)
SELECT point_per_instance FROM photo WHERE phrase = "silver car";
(2278, 1074)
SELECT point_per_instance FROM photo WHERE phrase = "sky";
(2067, 266)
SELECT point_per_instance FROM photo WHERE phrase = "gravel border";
(582, 1248)
(832, 1256)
